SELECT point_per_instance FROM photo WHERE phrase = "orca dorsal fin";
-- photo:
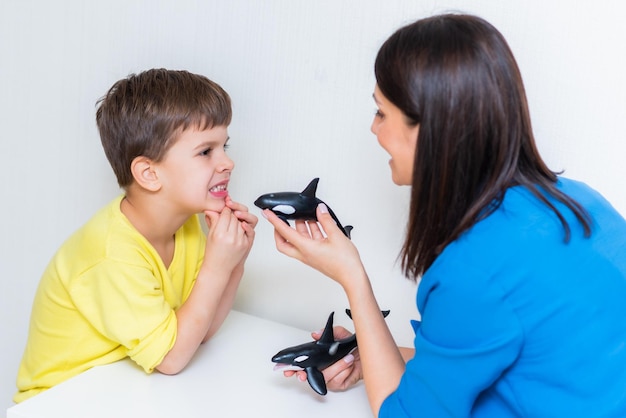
(328, 336)
(311, 189)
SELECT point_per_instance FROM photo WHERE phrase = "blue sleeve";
(468, 336)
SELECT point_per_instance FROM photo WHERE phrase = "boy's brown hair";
(142, 115)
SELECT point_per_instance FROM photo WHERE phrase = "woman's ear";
(144, 173)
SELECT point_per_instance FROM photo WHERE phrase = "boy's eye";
(207, 151)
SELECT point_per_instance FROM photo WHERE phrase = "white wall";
(300, 75)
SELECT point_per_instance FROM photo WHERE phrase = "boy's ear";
(144, 173)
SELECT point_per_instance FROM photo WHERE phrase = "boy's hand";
(245, 217)
(228, 241)
(241, 212)
(230, 237)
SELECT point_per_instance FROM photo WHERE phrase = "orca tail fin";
(384, 313)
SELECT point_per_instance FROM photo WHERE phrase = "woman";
(522, 273)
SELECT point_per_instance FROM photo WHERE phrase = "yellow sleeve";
(125, 303)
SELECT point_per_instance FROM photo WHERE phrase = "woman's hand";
(321, 245)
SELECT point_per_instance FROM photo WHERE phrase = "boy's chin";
(215, 206)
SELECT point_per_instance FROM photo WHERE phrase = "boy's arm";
(228, 297)
(226, 302)
(228, 243)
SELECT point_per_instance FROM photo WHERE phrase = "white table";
(230, 376)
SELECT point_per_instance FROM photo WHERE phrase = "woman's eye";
(378, 114)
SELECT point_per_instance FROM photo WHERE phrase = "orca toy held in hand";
(297, 205)
(315, 356)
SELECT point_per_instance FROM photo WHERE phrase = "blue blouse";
(516, 322)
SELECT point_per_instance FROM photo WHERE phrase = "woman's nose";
(374, 126)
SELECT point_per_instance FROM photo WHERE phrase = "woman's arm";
(329, 251)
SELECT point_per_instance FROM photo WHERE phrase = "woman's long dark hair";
(456, 77)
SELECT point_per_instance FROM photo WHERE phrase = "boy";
(140, 279)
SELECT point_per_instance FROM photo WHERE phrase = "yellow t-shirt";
(107, 295)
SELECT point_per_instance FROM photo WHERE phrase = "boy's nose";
(226, 164)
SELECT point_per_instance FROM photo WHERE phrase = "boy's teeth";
(220, 188)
